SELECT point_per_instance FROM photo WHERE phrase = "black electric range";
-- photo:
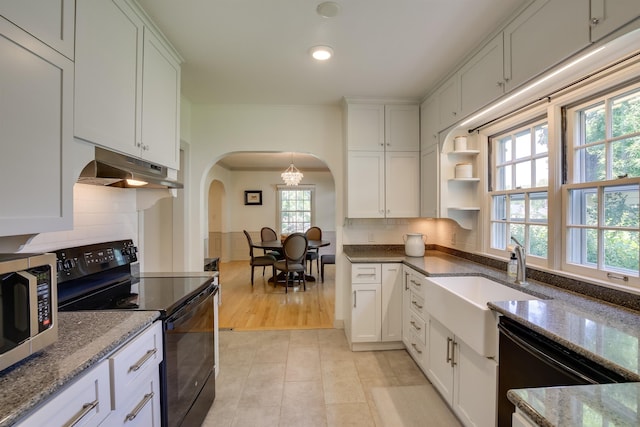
(99, 277)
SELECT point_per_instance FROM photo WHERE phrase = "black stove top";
(98, 277)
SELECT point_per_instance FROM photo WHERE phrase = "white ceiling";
(256, 51)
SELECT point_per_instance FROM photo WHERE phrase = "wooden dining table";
(277, 245)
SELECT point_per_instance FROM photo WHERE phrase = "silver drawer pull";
(415, 325)
(416, 283)
(86, 408)
(148, 355)
(146, 399)
(416, 304)
(415, 347)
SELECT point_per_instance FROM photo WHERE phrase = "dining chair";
(259, 261)
(313, 233)
(295, 252)
(268, 234)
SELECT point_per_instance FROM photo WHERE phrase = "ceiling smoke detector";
(328, 9)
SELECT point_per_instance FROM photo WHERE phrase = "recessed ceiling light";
(328, 9)
(321, 53)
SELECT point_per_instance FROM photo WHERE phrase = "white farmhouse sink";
(460, 304)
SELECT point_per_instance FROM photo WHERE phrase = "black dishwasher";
(528, 359)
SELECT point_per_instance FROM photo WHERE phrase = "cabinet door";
(439, 351)
(402, 127)
(365, 127)
(449, 102)
(36, 129)
(406, 304)
(429, 122)
(609, 15)
(402, 184)
(108, 83)
(475, 386)
(481, 78)
(52, 22)
(543, 35)
(366, 306)
(160, 104)
(430, 182)
(365, 184)
(391, 302)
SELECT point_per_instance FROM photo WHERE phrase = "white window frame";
(597, 270)
(305, 187)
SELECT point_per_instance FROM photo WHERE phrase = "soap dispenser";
(512, 267)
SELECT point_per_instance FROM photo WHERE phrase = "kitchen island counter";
(84, 339)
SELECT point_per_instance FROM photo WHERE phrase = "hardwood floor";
(267, 308)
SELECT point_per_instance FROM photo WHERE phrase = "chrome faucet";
(521, 275)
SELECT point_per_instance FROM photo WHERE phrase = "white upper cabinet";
(543, 35)
(50, 21)
(160, 104)
(430, 182)
(108, 82)
(429, 122)
(449, 102)
(383, 162)
(609, 15)
(365, 127)
(482, 78)
(127, 83)
(36, 130)
(402, 127)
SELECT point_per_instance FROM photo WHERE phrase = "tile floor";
(302, 378)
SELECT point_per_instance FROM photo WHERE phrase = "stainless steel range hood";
(118, 170)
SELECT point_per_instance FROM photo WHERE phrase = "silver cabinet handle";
(142, 360)
(416, 304)
(354, 299)
(415, 347)
(449, 341)
(406, 281)
(415, 325)
(453, 353)
(416, 283)
(86, 408)
(146, 399)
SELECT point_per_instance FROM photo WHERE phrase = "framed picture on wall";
(253, 197)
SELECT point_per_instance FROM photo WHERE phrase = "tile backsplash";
(99, 214)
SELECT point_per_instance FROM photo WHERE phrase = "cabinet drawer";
(135, 360)
(141, 406)
(366, 273)
(86, 402)
(417, 326)
(417, 350)
(418, 305)
(417, 285)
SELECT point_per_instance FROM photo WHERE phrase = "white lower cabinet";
(123, 390)
(376, 306)
(86, 402)
(465, 379)
(414, 331)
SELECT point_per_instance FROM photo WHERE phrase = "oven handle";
(542, 356)
(188, 310)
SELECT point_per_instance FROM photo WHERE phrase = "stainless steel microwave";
(28, 305)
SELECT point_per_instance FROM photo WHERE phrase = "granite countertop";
(603, 332)
(84, 338)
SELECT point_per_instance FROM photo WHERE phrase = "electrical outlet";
(371, 238)
(453, 238)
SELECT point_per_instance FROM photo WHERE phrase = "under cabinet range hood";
(118, 170)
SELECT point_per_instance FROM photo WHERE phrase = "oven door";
(189, 342)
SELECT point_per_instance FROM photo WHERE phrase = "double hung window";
(602, 190)
(295, 208)
(518, 189)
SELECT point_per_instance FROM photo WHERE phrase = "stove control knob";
(68, 264)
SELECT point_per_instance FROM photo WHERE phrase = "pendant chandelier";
(291, 176)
